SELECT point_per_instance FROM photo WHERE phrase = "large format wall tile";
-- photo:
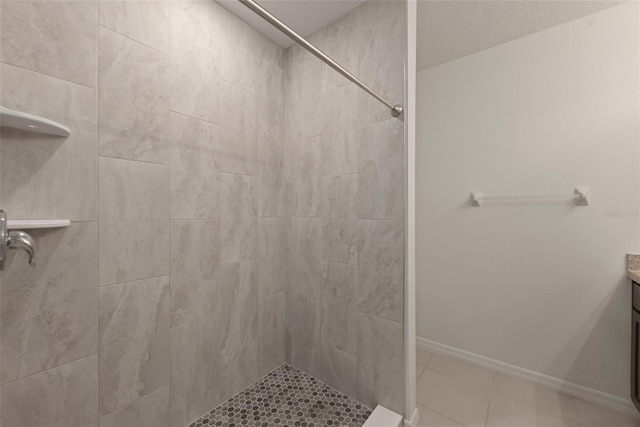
(49, 312)
(56, 38)
(134, 220)
(271, 332)
(380, 362)
(240, 370)
(134, 341)
(238, 305)
(195, 82)
(273, 184)
(65, 396)
(195, 370)
(305, 256)
(239, 217)
(382, 57)
(304, 111)
(238, 44)
(303, 331)
(338, 369)
(339, 218)
(133, 100)
(239, 130)
(44, 176)
(305, 158)
(272, 255)
(195, 269)
(270, 89)
(339, 309)
(381, 268)
(381, 171)
(151, 410)
(339, 152)
(195, 176)
(146, 21)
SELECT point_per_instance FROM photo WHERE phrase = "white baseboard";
(585, 393)
(414, 420)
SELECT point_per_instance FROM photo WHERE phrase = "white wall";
(540, 285)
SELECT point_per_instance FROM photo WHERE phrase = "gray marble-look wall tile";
(272, 255)
(134, 220)
(273, 185)
(65, 396)
(305, 256)
(44, 176)
(271, 334)
(238, 305)
(380, 362)
(146, 21)
(134, 341)
(238, 47)
(303, 321)
(49, 311)
(195, 269)
(337, 39)
(240, 370)
(337, 369)
(304, 175)
(195, 59)
(304, 116)
(339, 108)
(196, 373)
(151, 410)
(380, 31)
(381, 171)
(340, 152)
(55, 38)
(270, 81)
(239, 131)
(381, 268)
(133, 100)
(339, 218)
(339, 308)
(195, 176)
(239, 217)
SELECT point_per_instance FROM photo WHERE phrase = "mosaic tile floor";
(287, 397)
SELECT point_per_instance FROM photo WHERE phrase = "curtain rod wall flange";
(396, 110)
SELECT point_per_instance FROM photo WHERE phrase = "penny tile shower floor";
(287, 397)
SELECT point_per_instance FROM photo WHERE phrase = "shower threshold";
(287, 397)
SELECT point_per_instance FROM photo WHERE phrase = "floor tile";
(422, 357)
(459, 400)
(419, 371)
(461, 370)
(287, 397)
(597, 416)
(549, 402)
(428, 418)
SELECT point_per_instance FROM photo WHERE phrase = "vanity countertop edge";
(633, 267)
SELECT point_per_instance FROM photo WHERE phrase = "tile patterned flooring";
(287, 397)
(453, 393)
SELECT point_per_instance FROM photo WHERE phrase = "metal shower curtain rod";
(396, 109)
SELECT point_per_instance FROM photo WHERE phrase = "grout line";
(133, 281)
(49, 369)
(49, 75)
(132, 39)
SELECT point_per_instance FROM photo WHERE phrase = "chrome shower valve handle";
(14, 240)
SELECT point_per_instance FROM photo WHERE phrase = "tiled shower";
(234, 207)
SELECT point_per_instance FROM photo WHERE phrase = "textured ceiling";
(303, 16)
(450, 29)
